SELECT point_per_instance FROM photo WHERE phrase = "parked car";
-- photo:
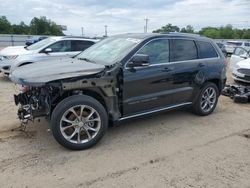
(50, 48)
(222, 47)
(119, 78)
(34, 39)
(239, 54)
(241, 72)
(231, 45)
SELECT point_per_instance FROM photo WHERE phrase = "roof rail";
(182, 34)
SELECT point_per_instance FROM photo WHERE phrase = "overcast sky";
(124, 16)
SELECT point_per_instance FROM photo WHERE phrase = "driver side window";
(157, 50)
(61, 46)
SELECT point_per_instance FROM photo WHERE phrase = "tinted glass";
(183, 50)
(61, 46)
(247, 44)
(239, 51)
(79, 45)
(206, 50)
(157, 50)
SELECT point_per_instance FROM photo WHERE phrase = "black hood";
(39, 73)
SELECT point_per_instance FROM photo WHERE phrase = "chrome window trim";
(173, 62)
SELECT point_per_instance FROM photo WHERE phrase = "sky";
(128, 16)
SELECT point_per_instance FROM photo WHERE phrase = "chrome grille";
(244, 71)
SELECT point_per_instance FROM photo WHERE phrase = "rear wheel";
(207, 99)
(79, 122)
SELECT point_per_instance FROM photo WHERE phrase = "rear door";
(148, 88)
(184, 57)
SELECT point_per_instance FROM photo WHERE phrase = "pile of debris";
(239, 93)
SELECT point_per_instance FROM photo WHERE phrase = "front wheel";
(79, 122)
(206, 100)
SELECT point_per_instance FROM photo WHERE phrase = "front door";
(148, 88)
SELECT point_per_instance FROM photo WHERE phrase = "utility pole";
(146, 25)
(105, 31)
(82, 30)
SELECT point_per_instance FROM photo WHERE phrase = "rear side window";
(206, 50)
(79, 45)
(183, 50)
(247, 44)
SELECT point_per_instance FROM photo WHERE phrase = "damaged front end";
(41, 94)
(34, 102)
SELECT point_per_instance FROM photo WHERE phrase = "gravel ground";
(171, 149)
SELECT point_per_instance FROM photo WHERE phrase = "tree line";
(37, 26)
(223, 32)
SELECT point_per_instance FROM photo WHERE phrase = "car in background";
(241, 71)
(231, 45)
(34, 39)
(50, 48)
(222, 47)
(239, 54)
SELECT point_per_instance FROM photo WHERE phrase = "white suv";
(231, 45)
(52, 47)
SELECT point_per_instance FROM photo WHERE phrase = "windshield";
(40, 44)
(109, 51)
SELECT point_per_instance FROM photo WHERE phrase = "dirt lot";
(173, 149)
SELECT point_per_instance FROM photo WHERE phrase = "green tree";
(21, 28)
(210, 32)
(187, 29)
(246, 34)
(5, 26)
(167, 28)
(44, 26)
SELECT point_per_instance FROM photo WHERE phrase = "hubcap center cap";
(80, 124)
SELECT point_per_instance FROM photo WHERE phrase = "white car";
(231, 45)
(241, 72)
(50, 48)
(239, 54)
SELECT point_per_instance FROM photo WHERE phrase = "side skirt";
(156, 110)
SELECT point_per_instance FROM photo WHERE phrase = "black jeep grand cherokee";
(121, 77)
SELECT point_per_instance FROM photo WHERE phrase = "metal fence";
(19, 40)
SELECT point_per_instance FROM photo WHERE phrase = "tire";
(81, 117)
(199, 107)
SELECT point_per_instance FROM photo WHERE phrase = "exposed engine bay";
(39, 101)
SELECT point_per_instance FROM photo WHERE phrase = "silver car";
(50, 48)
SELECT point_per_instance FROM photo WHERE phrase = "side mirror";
(48, 50)
(139, 60)
(244, 56)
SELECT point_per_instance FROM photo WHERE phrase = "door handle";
(167, 69)
(201, 65)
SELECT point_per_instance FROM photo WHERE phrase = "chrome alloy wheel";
(80, 124)
(208, 99)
